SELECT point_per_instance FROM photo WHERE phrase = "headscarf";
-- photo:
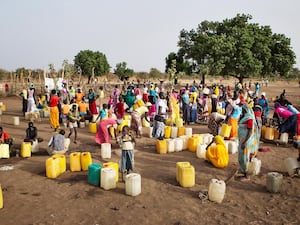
(219, 140)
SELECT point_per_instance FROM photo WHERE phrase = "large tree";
(236, 48)
(90, 63)
(122, 71)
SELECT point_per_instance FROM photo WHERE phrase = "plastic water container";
(16, 121)
(26, 149)
(114, 166)
(188, 131)
(276, 133)
(193, 142)
(62, 162)
(35, 146)
(92, 128)
(178, 165)
(207, 138)
(85, 160)
(187, 176)
(284, 138)
(67, 144)
(161, 146)
(232, 147)
(105, 151)
(225, 130)
(87, 122)
(81, 124)
(75, 164)
(133, 184)
(108, 178)
(254, 166)
(178, 144)
(216, 190)
(52, 167)
(181, 131)
(274, 182)
(4, 151)
(269, 133)
(46, 113)
(263, 131)
(145, 123)
(170, 145)
(174, 132)
(168, 131)
(291, 164)
(94, 172)
(179, 122)
(201, 151)
(184, 139)
(1, 198)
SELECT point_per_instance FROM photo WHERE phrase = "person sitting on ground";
(4, 137)
(57, 144)
(31, 133)
(217, 154)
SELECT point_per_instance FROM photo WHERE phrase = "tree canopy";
(90, 63)
(235, 47)
(122, 71)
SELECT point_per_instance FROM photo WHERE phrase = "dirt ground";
(32, 198)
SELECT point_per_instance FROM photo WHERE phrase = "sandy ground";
(32, 198)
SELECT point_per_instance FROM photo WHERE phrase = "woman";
(92, 97)
(102, 135)
(288, 120)
(120, 110)
(31, 98)
(136, 119)
(217, 154)
(54, 112)
(248, 140)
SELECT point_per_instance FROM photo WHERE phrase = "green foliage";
(122, 71)
(89, 61)
(180, 64)
(155, 73)
(236, 48)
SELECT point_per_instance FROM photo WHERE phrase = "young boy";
(126, 142)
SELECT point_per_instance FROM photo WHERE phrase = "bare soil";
(32, 198)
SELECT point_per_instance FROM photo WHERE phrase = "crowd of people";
(243, 107)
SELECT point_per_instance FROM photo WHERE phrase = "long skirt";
(54, 117)
(136, 122)
(93, 108)
(251, 146)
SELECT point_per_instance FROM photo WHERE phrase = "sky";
(36, 33)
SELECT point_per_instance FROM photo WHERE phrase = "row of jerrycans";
(56, 164)
(185, 142)
(174, 132)
(271, 133)
(106, 176)
(185, 176)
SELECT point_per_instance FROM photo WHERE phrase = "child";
(103, 113)
(126, 142)
(73, 120)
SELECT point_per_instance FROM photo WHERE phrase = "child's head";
(125, 130)
(104, 106)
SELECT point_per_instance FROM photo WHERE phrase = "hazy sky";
(35, 33)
